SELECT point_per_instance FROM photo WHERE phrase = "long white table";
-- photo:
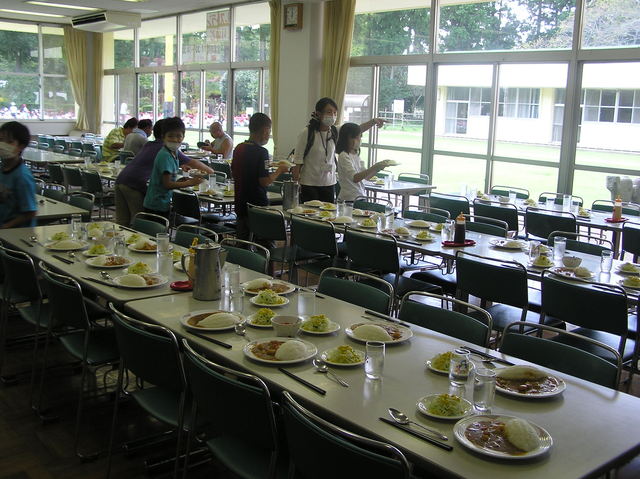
(593, 428)
(49, 209)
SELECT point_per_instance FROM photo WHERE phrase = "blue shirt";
(158, 198)
(17, 194)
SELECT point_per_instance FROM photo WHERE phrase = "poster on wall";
(218, 24)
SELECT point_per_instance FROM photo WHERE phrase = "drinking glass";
(76, 221)
(232, 278)
(551, 203)
(566, 202)
(236, 302)
(484, 388)
(575, 206)
(339, 207)
(348, 208)
(559, 247)
(606, 261)
(374, 362)
(306, 303)
(460, 367)
(534, 250)
(512, 197)
(388, 216)
(117, 164)
(120, 246)
(162, 242)
(448, 230)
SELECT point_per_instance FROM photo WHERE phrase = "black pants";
(322, 193)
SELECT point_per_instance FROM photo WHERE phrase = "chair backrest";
(58, 148)
(149, 351)
(242, 252)
(185, 234)
(426, 213)
(351, 288)
(575, 242)
(66, 301)
(488, 226)
(222, 167)
(374, 251)
(40, 185)
(314, 235)
(419, 178)
(454, 204)
(186, 203)
(521, 193)
(631, 239)
(351, 454)
(72, 176)
(75, 152)
(150, 224)
(558, 197)
(54, 193)
(373, 204)
(55, 174)
(499, 211)
(475, 330)
(91, 182)
(562, 357)
(83, 200)
(43, 146)
(267, 224)
(631, 209)
(601, 307)
(541, 222)
(507, 284)
(19, 266)
(245, 398)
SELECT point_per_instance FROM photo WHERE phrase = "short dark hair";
(131, 123)
(348, 131)
(157, 129)
(142, 124)
(323, 102)
(172, 124)
(14, 130)
(258, 121)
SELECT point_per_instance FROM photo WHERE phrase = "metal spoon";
(34, 239)
(324, 369)
(72, 255)
(401, 418)
(241, 330)
(106, 276)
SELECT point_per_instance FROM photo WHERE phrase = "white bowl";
(571, 261)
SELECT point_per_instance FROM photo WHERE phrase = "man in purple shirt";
(131, 184)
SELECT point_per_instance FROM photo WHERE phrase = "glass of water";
(374, 362)
(460, 367)
(306, 303)
(566, 202)
(232, 278)
(484, 388)
(606, 261)
(512, 197)
(559, 247)
(76, 221)
(551, 203)
(448, 230)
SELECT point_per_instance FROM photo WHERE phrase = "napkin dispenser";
(207, 261)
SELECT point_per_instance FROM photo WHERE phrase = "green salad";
(176, 255)
(97, 249)
(60, 236)
(263, 317)
(268, 296)
(139, 268)
(442, 361)
(447, 405)
(344, 355)
(133, 238)
(317, 323)
(369, 222)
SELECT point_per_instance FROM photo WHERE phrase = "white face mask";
(328, 120)
(7, 150)
(172, 145)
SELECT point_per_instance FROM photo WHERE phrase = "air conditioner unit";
(106, 21)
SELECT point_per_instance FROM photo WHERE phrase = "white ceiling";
(148, 8)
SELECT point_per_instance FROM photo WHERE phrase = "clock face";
(292, 15)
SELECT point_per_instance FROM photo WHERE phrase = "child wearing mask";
(165, 170)
(18, 205)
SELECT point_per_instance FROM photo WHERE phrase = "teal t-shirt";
(17, 194)
(158, 198)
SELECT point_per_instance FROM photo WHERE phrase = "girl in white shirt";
(351, 170)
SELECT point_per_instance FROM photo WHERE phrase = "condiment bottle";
(617, 209)
(460, 229)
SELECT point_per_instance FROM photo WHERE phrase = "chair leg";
(180, 433)
(190, 434)
(36, 405)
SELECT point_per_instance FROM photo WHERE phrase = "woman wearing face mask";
(315, 152)
(165, 170)
(17, 189)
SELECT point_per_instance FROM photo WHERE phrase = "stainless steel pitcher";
(290, 192)
(205, 270)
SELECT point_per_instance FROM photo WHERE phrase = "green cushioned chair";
(247, 254)
(499, 211)
(580, 243)
(347, 285)
(631, 240)
(150, 224)
(318, 237)
(186, 233)
(541, 223)
(454, 204)
(500, 190)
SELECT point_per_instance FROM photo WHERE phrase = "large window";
(33, 81)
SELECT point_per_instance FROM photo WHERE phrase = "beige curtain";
(274, 66)
(75, 47)
(336, 48)
(97, 83)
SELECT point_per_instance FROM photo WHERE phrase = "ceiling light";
(62, 5)
(22, 12)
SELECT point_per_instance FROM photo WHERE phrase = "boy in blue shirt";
(165, 170)
(18, 205)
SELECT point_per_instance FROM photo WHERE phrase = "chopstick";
(386, 318)
(51, 201)
(303, 381)
(60, 258)
(104, 283)
(487, 356)
(431, 440)
(26, 242)
(212, 340)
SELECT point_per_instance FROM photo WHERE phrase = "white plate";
(304, 212)
(435, 229)
(620, 271)
(505, 244)
(262, 305)
(185, 318)
(162, 280)
(310, 352)
(429, 365)
(405, 333)
(415, 237)
(569, 273)
(91, 255)
(333, 327)
(419, 224)
(178, 266)
(251, 323)
(561, 387)
(131, 247)
(313, 203)
(460, 427)
(52, 247)
(51, 240)
(101, 266)
(368, 227)
(341, 221)
(535, 266)
(325, 357)
(621, 283)
(290, 287)
(424, 402)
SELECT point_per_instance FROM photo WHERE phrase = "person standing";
(222, 143)
(115, 139)
(250, 174)
(18, 205)
(138, 137)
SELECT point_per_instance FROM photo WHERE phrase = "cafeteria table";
(13, 238)
(400, 188)
(44, 157)
(594, 428)
(50, 209)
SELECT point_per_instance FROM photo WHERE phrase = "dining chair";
(562, 357)
(419, 178)
(631, 240)
(581, 243)
(542, 222)
(186, 233)
(55, 174)
(72, 178)
(247, 254)
(487, 226)
(75, 152)
(54, 192)
(92, 183)
(370, 203)
(351, 455)
(185, 208)
(349, 286)
(606, 206)
(237, 407)
(83, 200)
(500, 211)
(558, 198)
(474, 328)
(426, 213)
(454, 204)
(151, 353)
(221, 166)
(150, 224)
(86, 340)
(500, 190)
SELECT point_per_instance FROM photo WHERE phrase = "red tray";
(181, 286)
(466, 243)
(621, 220)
